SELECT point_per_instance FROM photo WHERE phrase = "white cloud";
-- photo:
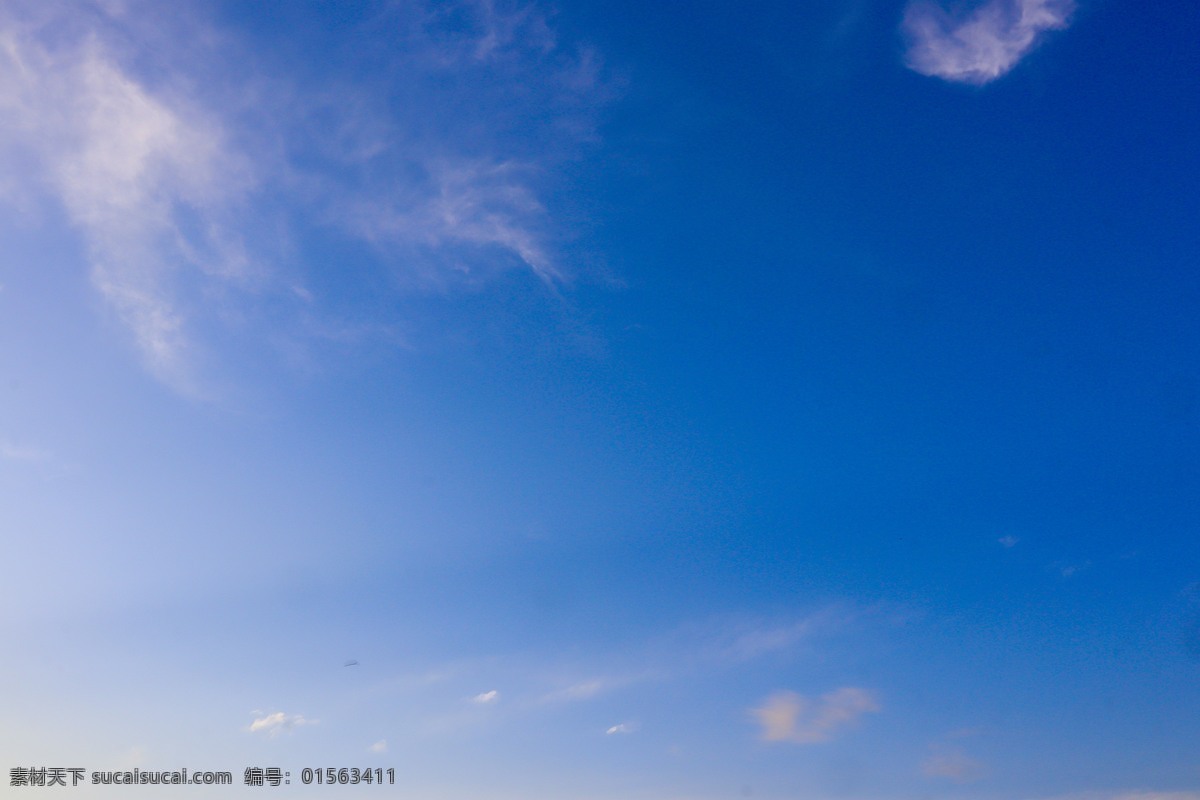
(272, 724)
(477, 213)
(184, 173)
(378, 747)
(982, 44)
(624, 727)
(486, 697)
(790, 717)
(145, 177)
(1008, 541)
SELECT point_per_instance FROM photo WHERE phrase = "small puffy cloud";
(790, 717)
(952, 764)
(272, 724)
(624, 727)
(485, 698)
(378, 747)
(981, 44)
(1008, 541)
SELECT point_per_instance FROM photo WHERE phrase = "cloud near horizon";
(791, 717)
(981, 45)
(1139, 794)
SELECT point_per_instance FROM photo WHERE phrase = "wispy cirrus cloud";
(791, 717)
(703, 648)
(475, 218)
(586, 689)
(186, 163)
(732, 640)
(147, 179)
(981, 44)
(749, 641)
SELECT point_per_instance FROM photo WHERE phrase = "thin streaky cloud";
(379, 747)
(732, 641)
(591, 688)
(750, 644)
(16, 452)
(980, 45)
(486, 698)
(584, 690)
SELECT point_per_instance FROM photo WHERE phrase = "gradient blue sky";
(708, 400)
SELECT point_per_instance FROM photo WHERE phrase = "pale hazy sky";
(716, 400)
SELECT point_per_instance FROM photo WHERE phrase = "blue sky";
(733, 400)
